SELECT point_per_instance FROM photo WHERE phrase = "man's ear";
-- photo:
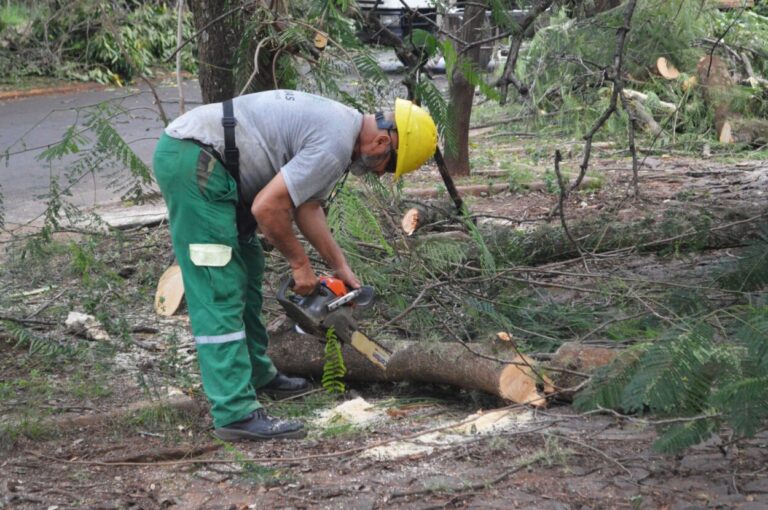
(382, 139)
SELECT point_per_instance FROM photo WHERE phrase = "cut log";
(716, 83)
(734, 4)
(412, 219)
(666, 69)
(416, 217)
(643, 117)
(748, 131)
(644, 98)
(472, 190)
(580, 357)
(490, 189)
(718, 93)
(435, 362)
(170, 290)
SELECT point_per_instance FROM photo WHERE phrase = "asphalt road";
(29, 125)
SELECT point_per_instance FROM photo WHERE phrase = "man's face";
(381, 159)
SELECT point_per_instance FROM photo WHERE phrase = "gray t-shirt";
(306, 137)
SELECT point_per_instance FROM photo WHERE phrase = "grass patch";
(253, 472)
(301, 409)
(13, 15)
(30, 427)
(339, 430)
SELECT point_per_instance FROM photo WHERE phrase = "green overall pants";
(222, 277)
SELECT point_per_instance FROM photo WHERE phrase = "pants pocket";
(213, 261)
(213, 180)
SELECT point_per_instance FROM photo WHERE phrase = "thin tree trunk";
(216, 48)
(462, 92)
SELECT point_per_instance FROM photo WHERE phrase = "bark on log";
(734, 4)
(644, 117)
(579, 357)
(639, 96)
(435, 362)
(717, 83)
(472, 190)
(749, 131)
(488, 189)
(726, 227)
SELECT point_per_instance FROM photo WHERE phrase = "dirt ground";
(553, 458)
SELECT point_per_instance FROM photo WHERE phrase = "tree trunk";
(434, 362)
(215, 47)
(725, 228)
(462, 92)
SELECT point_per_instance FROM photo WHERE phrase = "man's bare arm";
(273, 210)
(312, 222)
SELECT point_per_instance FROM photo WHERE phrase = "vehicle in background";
(393, 14)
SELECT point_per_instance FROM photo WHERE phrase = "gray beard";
(362, 165)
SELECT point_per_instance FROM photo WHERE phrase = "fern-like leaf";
(35, 345)
(334, 369)
(680, 437)
(750, 272)
(745, 404)
(675, 375)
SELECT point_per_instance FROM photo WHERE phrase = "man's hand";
(305, 280)
(346, 275)
(311, 220)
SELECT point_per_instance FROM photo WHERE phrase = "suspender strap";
(246, 224)
(231, 153)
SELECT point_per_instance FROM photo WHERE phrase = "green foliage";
(353, 222)
(440, 255)
(100, 40)
(283, 41)
(577, 49)
(22, 337)
(748, 29)
(333, 366)
(13, 16)
(750, 271)
(694, 375)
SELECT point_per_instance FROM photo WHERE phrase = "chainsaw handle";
(288, 283)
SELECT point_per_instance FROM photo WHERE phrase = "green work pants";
(222, 277)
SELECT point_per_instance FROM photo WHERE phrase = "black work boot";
(283, 386)
(260, 426)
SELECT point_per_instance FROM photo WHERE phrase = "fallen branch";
(165, 454)
(643, 98)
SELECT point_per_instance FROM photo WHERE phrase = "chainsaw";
(331, 305)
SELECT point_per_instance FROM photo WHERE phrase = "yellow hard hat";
(417, 135)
